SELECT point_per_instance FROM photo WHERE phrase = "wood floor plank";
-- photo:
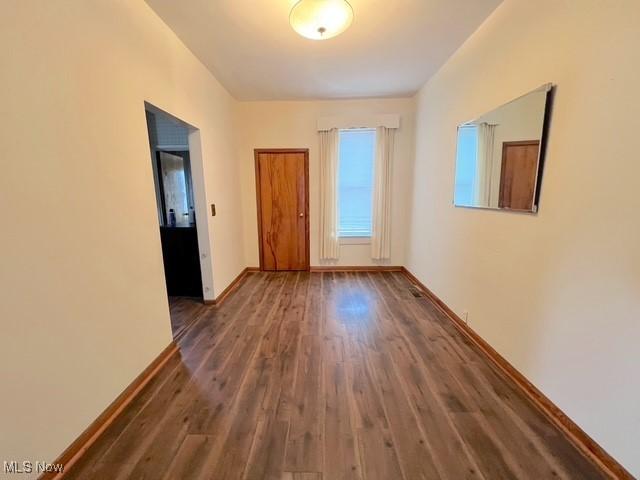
(328, 376)
(378, 457)
(302, 476)
(333, 349)
(185, 312)
(267, 454)
(426, 347)
(433, 412)
(290, 307)
(312, 321)
(226, 366)
(409, 440)
(281, 342)
(341, 459)
(245, 417)
(331, 294)
(281, 393)
(108, 471)
(488, 454)
(443, 440)
(190, 458)
(305, 446)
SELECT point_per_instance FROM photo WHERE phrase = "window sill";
(355, 240)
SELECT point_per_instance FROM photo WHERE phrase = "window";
(355, 182)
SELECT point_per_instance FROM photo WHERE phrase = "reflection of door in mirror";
(175, 189)
(518, 177)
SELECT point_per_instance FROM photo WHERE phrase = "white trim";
(357, 129)
(355, 240)
(359, 121)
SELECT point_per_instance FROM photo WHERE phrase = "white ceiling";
(391, 49)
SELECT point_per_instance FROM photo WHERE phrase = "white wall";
(557, 294)
(294, 125)
(83, 306)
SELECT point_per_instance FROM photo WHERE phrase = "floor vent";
(416, 292)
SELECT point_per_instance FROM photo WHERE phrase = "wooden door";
(519, 174)
(282, 188)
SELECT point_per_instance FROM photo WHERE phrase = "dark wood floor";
(328, 376)
(185, 311)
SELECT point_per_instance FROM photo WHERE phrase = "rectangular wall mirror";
(499, 155)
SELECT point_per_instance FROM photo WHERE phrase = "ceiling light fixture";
(321, 19)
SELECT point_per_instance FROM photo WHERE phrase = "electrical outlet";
(465, 317)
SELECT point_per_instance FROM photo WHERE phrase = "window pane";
(355, 181)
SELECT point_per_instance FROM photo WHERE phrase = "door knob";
(301, 215)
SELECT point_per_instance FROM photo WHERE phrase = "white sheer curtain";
(381, 221)
(329, 154)
(484, 164)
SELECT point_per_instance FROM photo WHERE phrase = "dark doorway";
(168, 140)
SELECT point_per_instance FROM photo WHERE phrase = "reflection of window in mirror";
(466, 164)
